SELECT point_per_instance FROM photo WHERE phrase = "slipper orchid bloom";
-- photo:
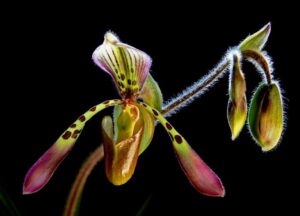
(130, 131)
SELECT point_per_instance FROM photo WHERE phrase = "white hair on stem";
(259, 67)
(201, 86)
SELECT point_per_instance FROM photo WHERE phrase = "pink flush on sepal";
(200, 175)
(203, 179)
(41, 172)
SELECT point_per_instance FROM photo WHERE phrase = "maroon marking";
(178, 139)
(76, 133)
(169, 126)
(106, 102)
(73, 126)
(134, 82)
(122, 76)
(129, 82)
(155, 112)
(67, 135)
(93, 109)
(82, 118)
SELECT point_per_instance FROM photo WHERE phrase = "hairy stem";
(196, 89)
(261, 60)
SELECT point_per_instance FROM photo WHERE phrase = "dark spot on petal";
(134, 82)
(122, 76)
(169, 126)
(129, 82)
(140, 100)
(116, 100)
(122, 85)
(155, 112)
(82, 118)
(93, 109)
(106, 102)
(73, 126)
(66, 135)
(178, 139)
(76, 133)
(144, 105)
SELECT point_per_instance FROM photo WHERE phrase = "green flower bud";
(266, 116)
(237, 105)
(257, 40)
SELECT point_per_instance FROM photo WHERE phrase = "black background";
(49, 79)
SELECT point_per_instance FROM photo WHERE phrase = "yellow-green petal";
(200, 175)
(41, 172)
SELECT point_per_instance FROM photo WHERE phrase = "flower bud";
(266, 116)
(237, 105)
(257, 40)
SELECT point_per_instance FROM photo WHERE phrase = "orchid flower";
(128, 134)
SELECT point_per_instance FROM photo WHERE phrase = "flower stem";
(72, 205)
(261, 60)
(195, 90)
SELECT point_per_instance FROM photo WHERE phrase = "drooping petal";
(73, 201)
(197, 171)
(41, 172)
(120, 159)
(127, 65)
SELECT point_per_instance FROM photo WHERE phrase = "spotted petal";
(41, 172)
(197, 171)
(127, 65)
